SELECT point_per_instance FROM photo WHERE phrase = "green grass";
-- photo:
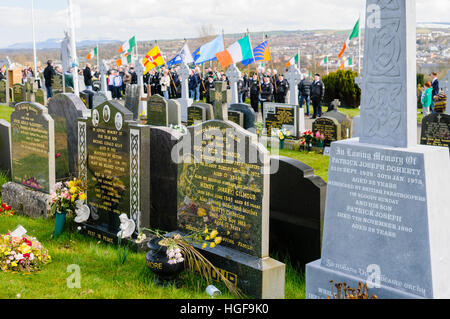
(316, 161)
(5, 112)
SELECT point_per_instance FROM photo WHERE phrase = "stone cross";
(184, 73)
(220, 98)
(140, 69)
(103, 70)
(293, 76)
(388, 102)
(234, 75)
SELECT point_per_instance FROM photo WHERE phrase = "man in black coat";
(266, 92)
(254, 93)
(317, 94)
(304, 93)
(49, 72)
(435, 92)
(209, 86)
(87, 74)
(281, 89)
(134, 79)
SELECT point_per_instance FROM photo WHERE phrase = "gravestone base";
(264, 277)
(422, 255)
(318, 284)
(26, 201)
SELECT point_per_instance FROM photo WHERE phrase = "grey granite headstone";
(66, 109)
(5, 147)
(281, 116)
(174, 109)
(238, 208)
(157, 111)
(133, 99)
(185, 101)
(208, 108)
(356, 126)
(220, 101)
(99, 98)
(249, 114)
(33, 147)
(294, 77)
(384, 224)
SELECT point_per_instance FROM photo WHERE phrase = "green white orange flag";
(125, 59)
(346, 64)
(237, 52)
(324, 61)
(293, 61)
(128, 46)
(92, 54)
(353, 35)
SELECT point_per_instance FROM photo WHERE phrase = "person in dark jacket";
(49, 72)
(266, 92)
(209, 85)
(193, 82)
(435, 92)
(317, 94)
(134, 79)
(254, 93)
(87, 74)
(281, 89)
(304, 94)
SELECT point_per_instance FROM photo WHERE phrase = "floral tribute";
(6, 210)
(282, 134)
(308, 138)
(65, 196)
(22, 254)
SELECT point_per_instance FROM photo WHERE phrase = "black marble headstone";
(436, 130)
(18, 93)
(329, 127)
(133, 99)
(249, 114)
(345, 122)
(5, 147)
(196, 114)
(295, 228)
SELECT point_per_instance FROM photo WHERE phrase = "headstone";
(18, 93)
(140, 69)
(66, 109)
(295, 229)
(226, 96)
(8, 90)
(384, 224)
(31, 88)
(41, 96)
(356, 126)
(133, 99)
(249, 114)
(236, 117)
(57, 85)
(87, 97)
(99, 98)
(281, 116)
(33, 147)
(208, 108)
(157, 110)
(3, 91)
(329, 127)
(345, 122)
(164, 178)
(233, 75)
(174, 110)
(223, 184)
(185, 101)
(220, 101)
(436, 130)
(113, 158)
(5, 147)
(196, 115)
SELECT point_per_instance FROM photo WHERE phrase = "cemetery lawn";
(316, 161)
(5, 112)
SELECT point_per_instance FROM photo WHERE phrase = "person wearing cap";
(281, 89)
(209, 86)
(435, 86)
(266, 92)
(317, 94)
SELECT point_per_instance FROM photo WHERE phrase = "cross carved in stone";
(184, 71)
(220, 101)
(293, 76)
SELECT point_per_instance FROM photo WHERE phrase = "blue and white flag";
(207, 52)
(184, 56)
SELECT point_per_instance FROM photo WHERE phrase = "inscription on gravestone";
(436, 130)
(196, 115)
(329, 127)
(281, 116)
(157, 111)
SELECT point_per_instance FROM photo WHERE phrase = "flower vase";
(282, 144)
(60, 221)
(158, 263)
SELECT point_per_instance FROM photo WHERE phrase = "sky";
(177, 19)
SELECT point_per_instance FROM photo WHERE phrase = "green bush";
(341, 85)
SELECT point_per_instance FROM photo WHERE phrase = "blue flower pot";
(60, 221)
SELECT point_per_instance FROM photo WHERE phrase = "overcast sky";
(169, 19)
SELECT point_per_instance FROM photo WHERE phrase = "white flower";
(31, 256)
(172, 261)
(180, 260)
(177, 250)
(19, 257)
(170, 253)
(178, 256)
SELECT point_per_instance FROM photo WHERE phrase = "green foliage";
(341, 85)
(420, 79)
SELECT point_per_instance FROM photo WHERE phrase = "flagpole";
(34, 40)
(253, 55)
(76, 88)
(98, 57)
(271, 63)
(359, 53)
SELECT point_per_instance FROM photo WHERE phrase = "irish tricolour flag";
(125, 59)
(353, 35)
(237, 52)
(92, 54)
(324, 61)
(347, 64)
(128, 46)
(293, 61)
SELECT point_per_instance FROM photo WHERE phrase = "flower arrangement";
(6, 210)
(22, 254)
(180, 128)
(309, 138)
(32, 183)
(65, 196)
(346, 292)
(282, 134)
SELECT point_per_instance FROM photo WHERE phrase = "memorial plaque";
(18, 93)
(436, 130)
(345, 122)
(33, 150)
(281, 116)
(113, 157)
(2, 91)
(236, 117)
(196, 115)
(329, 127)
(157, 110)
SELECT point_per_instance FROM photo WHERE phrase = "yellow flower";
(212, 245)
(280, 135)
(218, 240)
(214, 234)
(14, 264)
(201, 212)
(71, 184)
(206, 230)
(82, 196)
(204, 246)
(73, 198)
(207, 238)
(25, 249)
(73, 190)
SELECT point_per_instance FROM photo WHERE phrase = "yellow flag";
(153, 59)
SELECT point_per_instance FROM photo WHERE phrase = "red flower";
(26, 255)
(57, 155)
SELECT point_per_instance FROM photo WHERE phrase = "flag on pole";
(261, 53)
(293, 61)
(92, 54)
(237, 52)
(324, 61)
(128, 46)
(153, 59)
(125, 59)
(353, 35)
(207, 52)
(346, 64)
(184, 56)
